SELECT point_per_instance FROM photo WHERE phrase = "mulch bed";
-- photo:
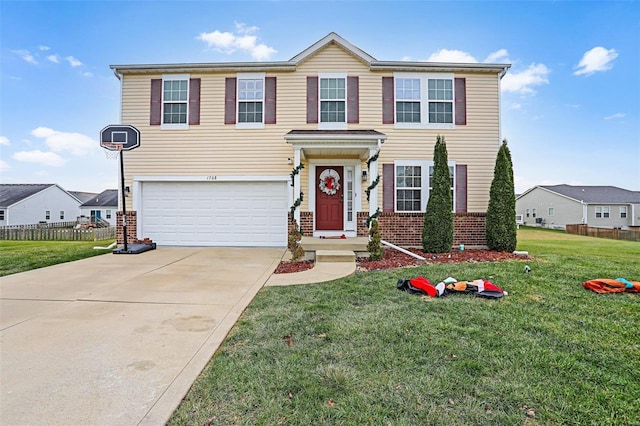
(392, 259)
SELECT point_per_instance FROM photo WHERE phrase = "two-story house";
(333, 135)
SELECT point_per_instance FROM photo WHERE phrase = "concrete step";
(335, 256)
(355, 244)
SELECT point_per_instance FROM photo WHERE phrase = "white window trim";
(624, 210)
(424, 190)
(250, 76)
(424, 193)
(424, 100)
(172, 126)
(333, 125)
(551, 211)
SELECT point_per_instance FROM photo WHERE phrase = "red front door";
(329, 198)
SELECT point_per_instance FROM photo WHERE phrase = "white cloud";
(4, 166)
(73, 61)
(499, 56)
(596, 59)
(75, 143)
(86, 74)
(243, 40)
(26, 56)
(4, 140)
(46, 158)
(515, 106)
(446, 55)
(54, 58)
(523, 82)
(43, 48)
(616, 115)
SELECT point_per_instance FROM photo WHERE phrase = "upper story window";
(333, 99)
(250, 100)
(408, 100)
(440, 96)
(424, 100)
(623, 212)
(175, 96)
(175, 101)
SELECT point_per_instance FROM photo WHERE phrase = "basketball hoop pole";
(124, 204)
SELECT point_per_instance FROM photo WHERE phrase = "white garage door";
(215, 213)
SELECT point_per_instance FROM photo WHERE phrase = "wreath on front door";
(329, 181)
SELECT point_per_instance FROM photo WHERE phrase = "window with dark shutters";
(387, 100)
(312, 99)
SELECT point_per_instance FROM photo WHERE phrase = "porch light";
(364, 175)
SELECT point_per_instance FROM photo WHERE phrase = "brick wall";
(132, 232)
(405, 229)
(306, 223)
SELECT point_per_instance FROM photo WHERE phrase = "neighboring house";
(555, 206)
(101, 207)
(29, 204)
(222, 146)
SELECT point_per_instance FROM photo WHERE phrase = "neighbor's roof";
(596, 194)
(292, 64)
(107, 198)
(83, 196)
(11, 193)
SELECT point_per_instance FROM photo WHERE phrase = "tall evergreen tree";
(437, 233)
(501, 230)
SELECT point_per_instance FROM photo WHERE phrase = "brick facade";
(132, 227)
(405, 229)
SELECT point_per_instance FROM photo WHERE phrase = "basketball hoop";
(111, 149)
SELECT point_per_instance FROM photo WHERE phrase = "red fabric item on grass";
(423, 284)
(607, 285)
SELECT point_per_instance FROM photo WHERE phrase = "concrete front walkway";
(119, 339)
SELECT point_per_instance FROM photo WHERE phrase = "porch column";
(373, 175)
(296, 184)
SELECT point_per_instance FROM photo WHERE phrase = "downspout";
(502, 74)
(400, 249)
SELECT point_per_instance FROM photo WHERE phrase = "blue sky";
(570, 102)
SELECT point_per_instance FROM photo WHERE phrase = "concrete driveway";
(119, 339)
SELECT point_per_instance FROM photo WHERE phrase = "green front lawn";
(356, 351)
(20, 256)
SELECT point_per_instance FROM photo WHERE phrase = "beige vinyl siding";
(213, 148)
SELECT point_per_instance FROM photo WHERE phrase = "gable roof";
(107, 198)
(292, 64)
(12, 193)
(595, 194)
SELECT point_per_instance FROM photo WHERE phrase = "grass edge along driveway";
(357, 351)
(20, 256)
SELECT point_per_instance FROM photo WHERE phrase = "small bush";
(374, 247)
(293, 244)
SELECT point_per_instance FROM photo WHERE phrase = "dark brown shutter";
(155, 116)
(388, 187)
(270, 100)
(461, 101)
(194, 101)
(461, 188)
(312, 99)
(387, 101)
(353, 95)
(230, 100)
